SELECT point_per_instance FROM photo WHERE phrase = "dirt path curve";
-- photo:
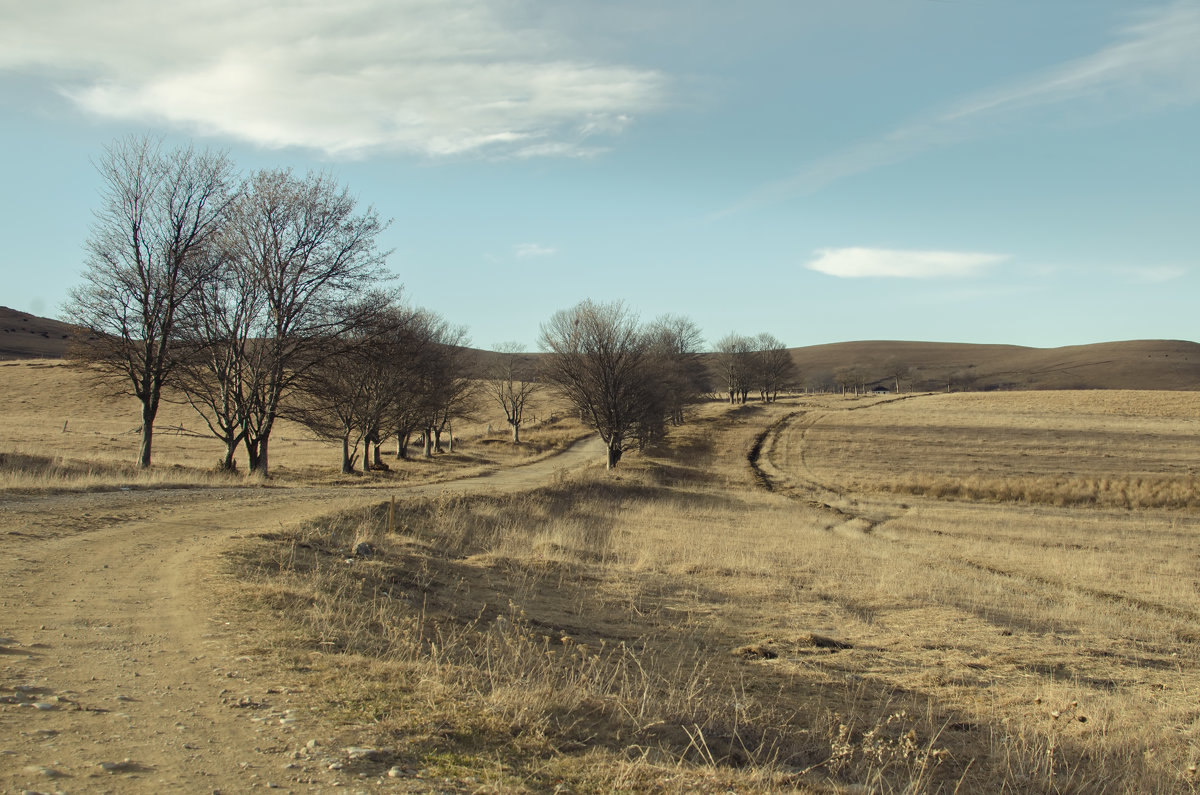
(781, 464)
(118, 675)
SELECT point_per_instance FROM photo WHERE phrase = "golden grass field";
(937, 593)
(675, 627)
(62, 430)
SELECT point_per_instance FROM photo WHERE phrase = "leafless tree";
(448, 385)
(775, 369)
(508, 384)
(347, 397)
(851, 378)
(900, 374)
(598, 357)
(309, 251)
(675, 343)
(735, 365)
(149, 250)
(217, 337)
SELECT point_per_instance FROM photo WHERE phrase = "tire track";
(851, 510)
(119, 669)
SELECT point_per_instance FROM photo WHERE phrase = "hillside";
(924, 366)
(26, 336)
(1139, 364)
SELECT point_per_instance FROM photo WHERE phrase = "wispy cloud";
(857, 263)
(526, 250)
(1154, 274)
(1152, 63)
(433, 77)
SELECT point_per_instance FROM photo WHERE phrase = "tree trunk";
(149, 410)
(229, 464)
(377, 461)
(516, 428)
(428, 443)
(614, 455)
(401, 446)
(251, 454)
(347, 464)
(263, 458)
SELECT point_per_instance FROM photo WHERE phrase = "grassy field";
(678, 627)
(933, 593)
(61, 430)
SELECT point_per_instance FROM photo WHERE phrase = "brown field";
(933, 593)
(60, 429)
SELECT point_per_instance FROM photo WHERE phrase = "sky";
(990, 171)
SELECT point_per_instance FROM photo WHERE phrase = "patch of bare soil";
(119, 673)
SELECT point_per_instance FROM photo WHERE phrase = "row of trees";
(262, 297)
(258, 298)
(626, 380)
(759, 364)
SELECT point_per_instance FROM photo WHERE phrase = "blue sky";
(1004, 171)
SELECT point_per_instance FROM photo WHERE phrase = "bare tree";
(598, 358)
(345, 398)
(676, 342)
(775, 369)
(735, 365)
(312, 254)
(217, 336)
(507, 384)
(853, 377)
(449, 387)
(149, 250)
(900, 374)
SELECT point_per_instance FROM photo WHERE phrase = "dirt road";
(118, 674)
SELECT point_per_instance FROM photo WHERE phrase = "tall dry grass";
(672, 627)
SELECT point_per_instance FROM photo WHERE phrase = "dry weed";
(674, 628)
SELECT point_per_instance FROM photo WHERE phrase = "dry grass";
(1112, 449)
(62, 431)
(974, 593)
(676, 628)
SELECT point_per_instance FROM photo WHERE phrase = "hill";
(924, 366)
(27, 336)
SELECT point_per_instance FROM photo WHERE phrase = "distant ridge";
(923, 366)
(27, 336)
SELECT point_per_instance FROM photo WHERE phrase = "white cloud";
(1154, 274)
(857, 263)
(1152, 64)
(524, 250)
(433, 77)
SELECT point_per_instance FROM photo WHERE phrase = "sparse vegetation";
(50, 405)
(814, 638)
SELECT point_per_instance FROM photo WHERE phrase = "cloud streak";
(431, 77)
(526, 250)
(1153, 274)
(859, 263)
(1153, 63)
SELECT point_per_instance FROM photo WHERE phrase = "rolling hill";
(27, 336)
(924, 366)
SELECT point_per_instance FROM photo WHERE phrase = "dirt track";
(118, 672)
